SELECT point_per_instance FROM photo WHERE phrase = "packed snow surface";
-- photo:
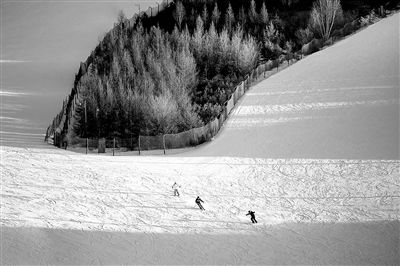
(134, 194)
(313, 150)
(339, 103)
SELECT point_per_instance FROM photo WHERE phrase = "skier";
(175, 188)
(253, 217)
(198, 201)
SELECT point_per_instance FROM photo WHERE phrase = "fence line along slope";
(339, 103)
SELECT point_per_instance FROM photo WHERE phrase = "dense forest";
(173, 71)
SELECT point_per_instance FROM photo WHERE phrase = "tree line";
(173, 72)
(157, 82)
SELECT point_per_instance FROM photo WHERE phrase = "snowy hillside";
(312, 150)
(339, 103)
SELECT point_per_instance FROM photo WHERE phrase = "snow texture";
(313, 150)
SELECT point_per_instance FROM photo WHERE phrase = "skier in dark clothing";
(253, 217)
(198, 201)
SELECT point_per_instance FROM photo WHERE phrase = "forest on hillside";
(174, 71)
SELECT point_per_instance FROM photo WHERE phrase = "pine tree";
(271, 41)
(236, 42)
(121, 19)
(179, 13)
(229, 18)
(224, 43)
(211, 38)
(198, 35)
(289, 50)
(185, 36)
(204, 15)
(252, 12)
(242, 17)
(216, 14)
(263, 14)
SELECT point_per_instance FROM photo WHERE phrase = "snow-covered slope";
(313, 151)
(339, 103)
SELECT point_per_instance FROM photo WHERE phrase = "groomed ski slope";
(339, 103)
(312, 150)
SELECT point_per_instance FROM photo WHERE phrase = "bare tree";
(323, 16)
(248, 55)
(162, 113)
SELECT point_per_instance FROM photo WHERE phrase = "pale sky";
(42, 44)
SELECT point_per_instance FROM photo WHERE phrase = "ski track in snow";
(65, 190)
